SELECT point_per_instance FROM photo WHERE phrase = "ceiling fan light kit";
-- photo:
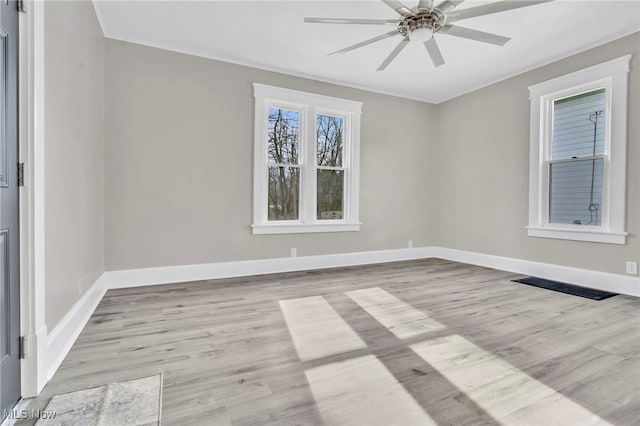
(421, 25)
(424, 21)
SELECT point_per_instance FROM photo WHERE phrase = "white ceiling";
(272, 35)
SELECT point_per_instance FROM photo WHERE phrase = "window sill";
(578, 234)
(301, 228)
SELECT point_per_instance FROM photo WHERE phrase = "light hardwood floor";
(420, 342)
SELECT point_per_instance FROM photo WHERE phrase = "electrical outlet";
(410, 244)
(294, 252)
(632, 268)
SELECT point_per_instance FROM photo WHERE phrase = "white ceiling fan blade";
(352, 21)
(425, 4)
(474, 35)
(403, 43)
(434, 52)
(398, 7)
(364, 43)
(448, 5)
(490, 8)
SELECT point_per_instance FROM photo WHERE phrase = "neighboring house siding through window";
(577, 166)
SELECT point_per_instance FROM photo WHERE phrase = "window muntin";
(305, 162)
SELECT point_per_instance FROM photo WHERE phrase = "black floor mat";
(575, 290)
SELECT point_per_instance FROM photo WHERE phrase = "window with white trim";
(306, 157)
(578, 155)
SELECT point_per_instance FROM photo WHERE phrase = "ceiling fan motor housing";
(422, 19)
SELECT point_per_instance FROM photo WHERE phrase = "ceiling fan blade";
(448, 5)
(425, 4)
(474, 35)
(403, 43)
(434, 52)
(398, 7)
(490, 8)
(352, 21)
(364, 43)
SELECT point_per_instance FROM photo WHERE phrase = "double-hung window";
(306, 152)
(578, 155)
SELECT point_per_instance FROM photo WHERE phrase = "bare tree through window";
(306, 164)
(330, 174)
(284, 168)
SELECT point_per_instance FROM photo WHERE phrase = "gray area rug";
(134, 402)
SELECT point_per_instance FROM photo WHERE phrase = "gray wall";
(179, 137)
(178, 164)
(74, 154)
(483, 170)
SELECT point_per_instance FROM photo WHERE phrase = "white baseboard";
(244, 268)
(65, 333)
(583, 277)
(173, 274)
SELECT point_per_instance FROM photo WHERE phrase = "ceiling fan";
(425, 20)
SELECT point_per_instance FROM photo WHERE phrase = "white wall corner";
(615, 283)
(65, 333)
(31, 153)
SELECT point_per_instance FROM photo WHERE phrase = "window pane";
(284, 193)
(330, 144)
(575, 192)
(330, 194)
(283, 136)
(579, 125)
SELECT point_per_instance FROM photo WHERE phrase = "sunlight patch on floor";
(316, 328)
(361, 391)
(504, 392)
(398, 317)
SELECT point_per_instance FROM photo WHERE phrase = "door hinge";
(20, 174)
(22, 347)
(21, 7)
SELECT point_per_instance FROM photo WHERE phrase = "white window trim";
(613, 76)
(309, 105)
